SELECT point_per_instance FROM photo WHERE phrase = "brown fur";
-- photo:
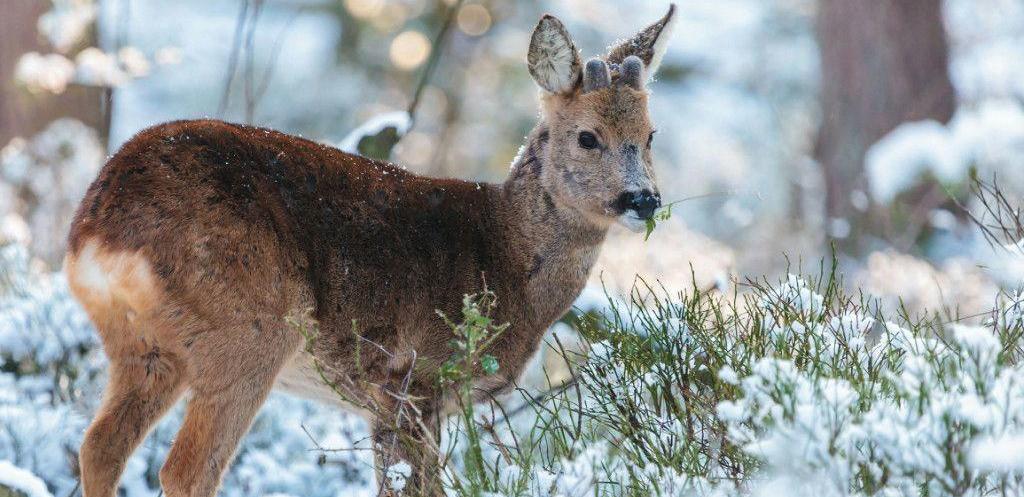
(199, 239)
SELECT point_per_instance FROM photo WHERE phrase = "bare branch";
(435, 55)
(236, 48)
(1000, 219)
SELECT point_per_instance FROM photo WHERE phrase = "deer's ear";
(649, 44)
(553, 59)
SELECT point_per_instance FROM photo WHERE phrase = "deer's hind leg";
(147, 375)
(140, 391)
(230, 379)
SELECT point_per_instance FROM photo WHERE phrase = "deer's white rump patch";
(102, 278)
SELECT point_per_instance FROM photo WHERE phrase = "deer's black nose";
(644, 202)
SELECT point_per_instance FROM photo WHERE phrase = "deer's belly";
(301, 379)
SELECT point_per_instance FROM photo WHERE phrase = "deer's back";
(232, 214)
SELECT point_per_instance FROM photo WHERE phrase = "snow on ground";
(23, 481)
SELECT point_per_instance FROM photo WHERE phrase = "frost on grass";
(47, 366)
(789, 389)
(397, 475)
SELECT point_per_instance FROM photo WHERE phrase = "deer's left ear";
(649, 44)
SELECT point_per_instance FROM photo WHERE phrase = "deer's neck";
(553, 245)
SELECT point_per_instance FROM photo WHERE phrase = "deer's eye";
(587, 140)
(650, 138)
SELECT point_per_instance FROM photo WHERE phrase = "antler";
(632, 72)
(596, 75)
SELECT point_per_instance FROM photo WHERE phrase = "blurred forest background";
(775, 110)
(797, 126)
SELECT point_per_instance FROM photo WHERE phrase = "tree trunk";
(883, 62)
(23, 113)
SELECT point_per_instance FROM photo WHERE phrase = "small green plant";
(662, 214)
(473, 336)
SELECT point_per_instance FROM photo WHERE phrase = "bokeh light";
(474, 19)
(415, 150)
(409, 49)
(391, 17)
(363, 9)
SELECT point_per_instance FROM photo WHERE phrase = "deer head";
(599, 132)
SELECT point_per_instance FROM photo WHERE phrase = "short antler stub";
(632, 72)
(596, 75)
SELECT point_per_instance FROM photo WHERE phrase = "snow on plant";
(67, 23)
(91, 66)
(1011, 313)
(20, 480)
(906, 430)
(806, 450)
(397, 474)
(1005, 453)
(39, 322)
(985, 36)
(66, 26)
(989, 137)
(98, 68)
(377, 136)
(791, 389)
(46, 368)
(897, 160)
(986, 130)
(43, 179)
(51, 72)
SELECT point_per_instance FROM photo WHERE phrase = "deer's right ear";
(649, 45)
(553, 59)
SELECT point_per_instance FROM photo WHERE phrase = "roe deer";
(200, 239)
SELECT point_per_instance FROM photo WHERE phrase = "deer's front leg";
(405, 439)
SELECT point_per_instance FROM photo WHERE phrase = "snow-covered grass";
(787, 389)
(795, 387)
